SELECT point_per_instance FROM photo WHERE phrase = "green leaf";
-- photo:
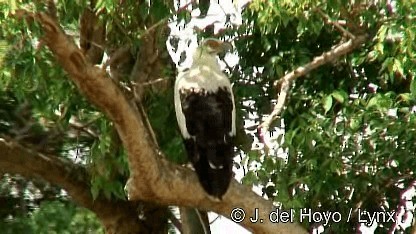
(413, 88)
(327, 103)
(253, 155)
(340, 96)
(397, 67)
(373, 101)
(380, 102)
(159, 10)
(355, 123)
(250, 178)
(95, 190)
(269, 164)
(334, 166)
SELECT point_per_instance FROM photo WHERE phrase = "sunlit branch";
(335, 23)
(286, 80)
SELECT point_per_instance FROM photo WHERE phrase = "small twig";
(335, 23)
(83, 128)
(152, 82)
(201, 220)
(175, 222)
(154, 26)
(160, 22)
(286, 80)
(413, 230)
(218, 216)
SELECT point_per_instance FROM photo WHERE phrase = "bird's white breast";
(207, 76)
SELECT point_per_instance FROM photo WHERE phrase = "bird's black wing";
(209, 122)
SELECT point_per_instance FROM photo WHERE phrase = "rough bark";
(92, 36)
(152, 178)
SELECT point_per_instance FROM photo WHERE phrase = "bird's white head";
(214, 46)
(209, 49)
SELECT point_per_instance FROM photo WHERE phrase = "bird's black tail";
(214, 165)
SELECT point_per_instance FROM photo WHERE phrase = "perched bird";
(205, 110)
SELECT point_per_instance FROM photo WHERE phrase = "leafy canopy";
(349, 126)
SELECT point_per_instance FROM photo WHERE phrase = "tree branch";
(17, 159)
(335, 23)
(152, 178)
(286, 80)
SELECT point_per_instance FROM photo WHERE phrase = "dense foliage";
(349, 126)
